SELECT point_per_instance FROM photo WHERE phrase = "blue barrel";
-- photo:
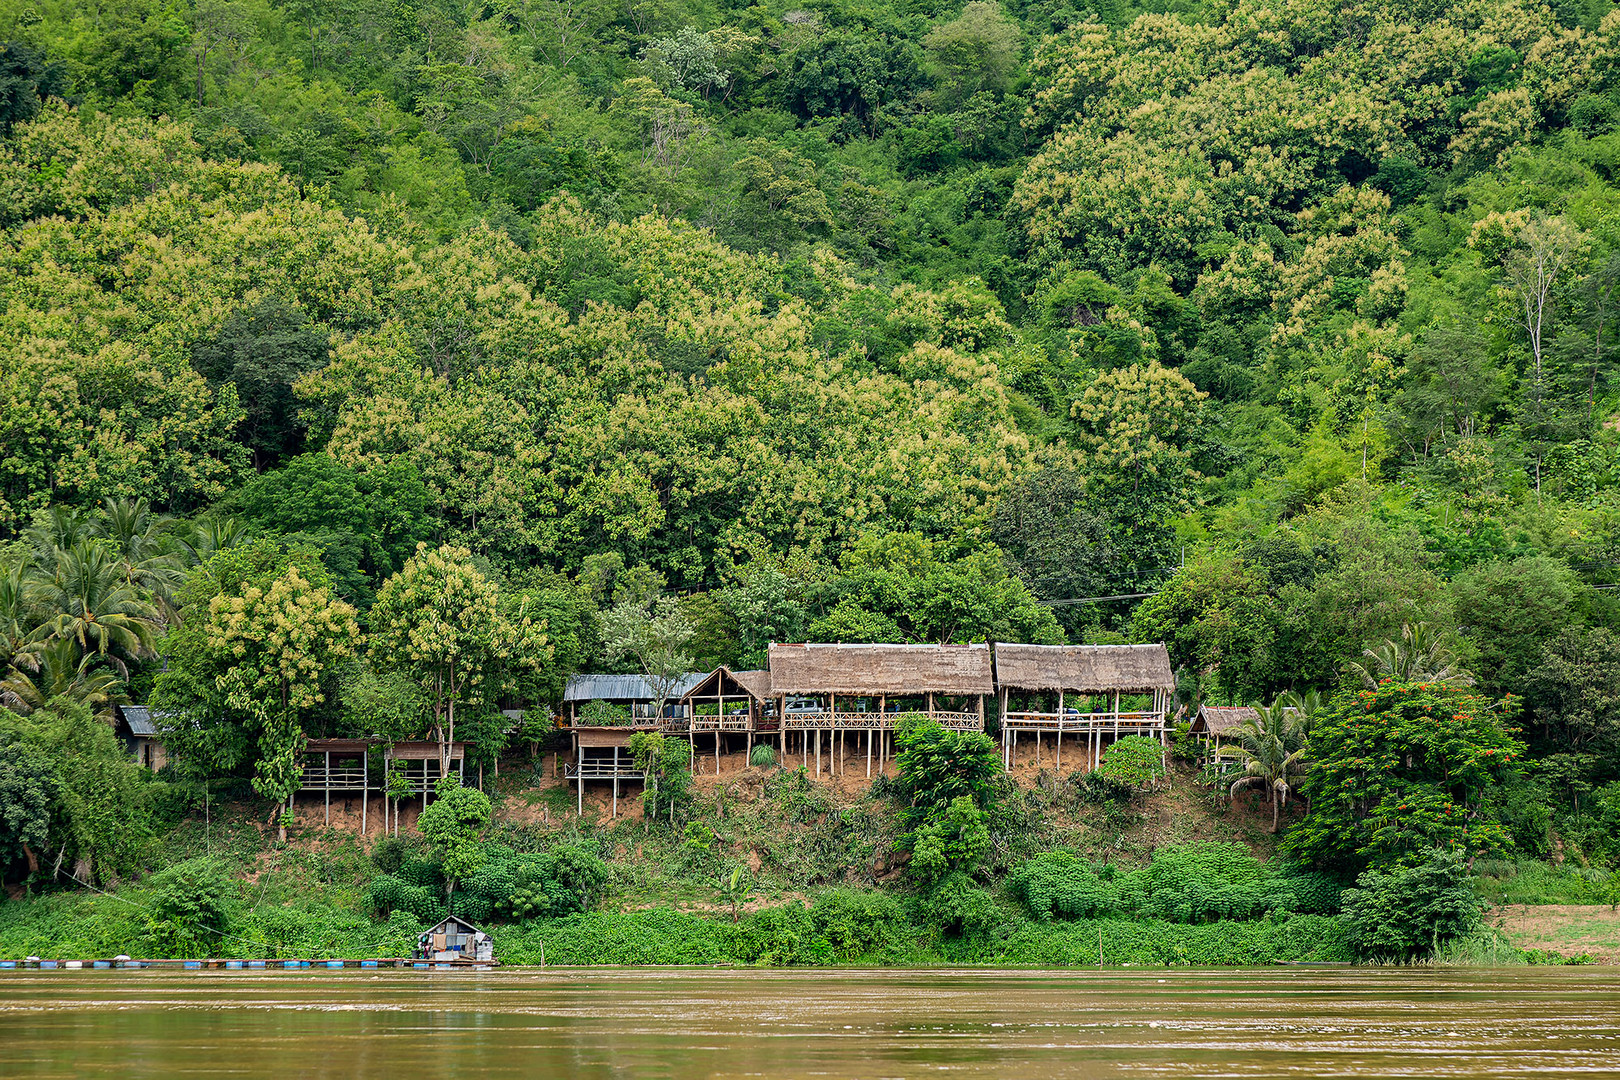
(233, 965)
(192, 964)
(103, 963)
(421, 967)
(255, 963)
(8, 964)
(368, 963)
(334, 964)
(47, 965)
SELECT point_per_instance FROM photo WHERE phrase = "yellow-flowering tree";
(253, 665)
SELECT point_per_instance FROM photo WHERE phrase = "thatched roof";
(733, 684)
(881, 669)
(1215, 719)
(1085, 668)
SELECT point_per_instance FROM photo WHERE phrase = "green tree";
(439, 621)
(1270, 750)
(254, 663)
(1398, 770)
(262, 351)
(979, 50)
(453, 823)
(656, 636)
(1407, 912)
(938, 766)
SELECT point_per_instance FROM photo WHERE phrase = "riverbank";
(827, 886)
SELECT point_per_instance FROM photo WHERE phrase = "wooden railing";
(319, 778)
(876, 721)
(602, 770)
(728, 722)
(1067, 722)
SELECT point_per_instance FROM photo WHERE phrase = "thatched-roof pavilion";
(839, 688)
(1087, 683)
(1219, 719)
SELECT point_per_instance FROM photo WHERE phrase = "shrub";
(388, 894)
(1409, 911)
(939, 766)
(1201, 882)
(1309, 892)
(773, 937)
(855, 924)
(189, 908)
(1135, 760)
(956, 907)
(1099, 790)
(1061, 883)
(953, 841)
(389, 854)
(762, 756)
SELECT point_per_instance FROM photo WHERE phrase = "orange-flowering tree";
(1403, 769)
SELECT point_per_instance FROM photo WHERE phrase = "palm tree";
(1420, 656)
(19, 616)
(208, 536)
(88, 598)
(1307, 707)
(142, 542)
(59, 669)
(1270, 748)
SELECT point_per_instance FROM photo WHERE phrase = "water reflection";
(702, 1023)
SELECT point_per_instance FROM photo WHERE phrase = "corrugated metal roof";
(624, 687)
(139, 719)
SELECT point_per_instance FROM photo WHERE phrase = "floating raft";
(253, 965)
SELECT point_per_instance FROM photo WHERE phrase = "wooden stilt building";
(1091, 694)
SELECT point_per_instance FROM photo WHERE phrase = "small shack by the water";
(137, 729)
(455, 938)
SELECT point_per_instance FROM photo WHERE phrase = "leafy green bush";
(1063, 884)
(958, 908)
(951, 842)
(189, 907)
(773, 937)
(854, 924)
(1201, 882)
(388, 894)
(762, 756)
(1135, 760)
(1409, 911)
(389, 854)
(1309, 892)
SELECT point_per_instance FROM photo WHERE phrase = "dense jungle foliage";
(368, 367)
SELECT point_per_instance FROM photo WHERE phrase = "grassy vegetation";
(828, 886)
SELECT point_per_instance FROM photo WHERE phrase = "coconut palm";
(19, 615)
(142, 542)
(1307, 706)
(88, 598)
(1421, 655)
(59, 669)
(1270, 749)
(198, 543)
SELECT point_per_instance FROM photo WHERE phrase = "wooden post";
(818, 753)
(329, 787)
(579, 779)
(365, 786)
(1059, 765)
(832, 734)
(869, 752)
(719, 723)
(615, 781)
(930, 704)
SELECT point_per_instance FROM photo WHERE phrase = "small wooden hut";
(837, 688)
(739, 699)
(602, 753)
(137, 729)
(339, 765)
(455, 938)
(1093, 692)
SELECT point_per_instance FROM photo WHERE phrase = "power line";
(1095, 599)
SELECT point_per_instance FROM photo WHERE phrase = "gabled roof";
(139, 719)
(623, 687)
(756, 684)
(881, 669)
(1086, 668)
(1218, 718)
(447, 920)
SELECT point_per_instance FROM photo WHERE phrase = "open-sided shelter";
(738, 700)
(838, 688)
(1081, 690)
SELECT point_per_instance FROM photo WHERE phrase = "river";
(686, 1023)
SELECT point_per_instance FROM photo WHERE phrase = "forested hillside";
(1273, 332)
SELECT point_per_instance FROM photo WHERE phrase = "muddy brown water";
(679, 1024)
